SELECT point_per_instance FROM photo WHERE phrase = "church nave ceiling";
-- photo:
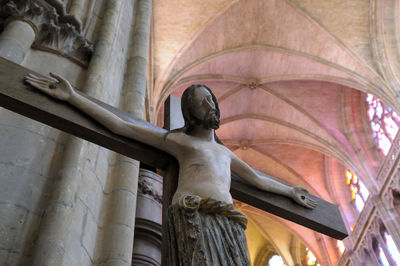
(291, 78)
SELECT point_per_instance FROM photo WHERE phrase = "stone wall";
(65, 201)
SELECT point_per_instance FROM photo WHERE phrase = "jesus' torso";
(204, 168)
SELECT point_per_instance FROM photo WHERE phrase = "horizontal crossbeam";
(25, 100)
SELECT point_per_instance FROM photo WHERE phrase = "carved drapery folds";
(56, 31)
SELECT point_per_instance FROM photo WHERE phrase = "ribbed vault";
(291, 95)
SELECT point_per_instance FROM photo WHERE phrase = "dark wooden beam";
(325, 218)
(170, 176)
(25, 100)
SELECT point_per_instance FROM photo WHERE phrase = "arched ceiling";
(272, 125)
(183, 40)
(278, 73)
(283, 75)
(266, 233)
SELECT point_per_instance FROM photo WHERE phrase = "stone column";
(16, 39)
(52, 237)
(134, 93)
(27, 148)
(148, 229)
(120, 221)
(54, 228)
(77, 8)
(121, 218)
(136, 75)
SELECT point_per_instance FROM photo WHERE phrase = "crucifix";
(161, 149)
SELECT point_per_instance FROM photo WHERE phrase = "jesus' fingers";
(311, 203)
(37, 78)
(40, 86)
(39, 82)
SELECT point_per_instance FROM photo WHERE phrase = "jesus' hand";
(61, 90)
(300, 195)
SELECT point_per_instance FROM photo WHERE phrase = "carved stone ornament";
(146, 188)
(363, 220)
(393, 187)
(365, 242)
(389, 162)
(56, 31)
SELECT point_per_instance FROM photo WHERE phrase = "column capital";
(56, 31)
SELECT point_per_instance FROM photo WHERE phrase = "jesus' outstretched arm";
(62, 90)
(297, 193)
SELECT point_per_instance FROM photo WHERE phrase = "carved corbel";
(56, 31)
(71, 19)
(146, 188)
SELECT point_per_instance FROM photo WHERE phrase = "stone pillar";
(148, 228)
(120, 221)
(15, 40)
(133, 97)
(29, 154)
(136, 75)
(54, 228)
(52, 237)
(77, 8)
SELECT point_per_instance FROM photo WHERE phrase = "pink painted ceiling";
(280, 77)
(291, 94)
(286, 129)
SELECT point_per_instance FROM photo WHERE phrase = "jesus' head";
(200, 107)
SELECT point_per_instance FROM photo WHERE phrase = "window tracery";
(359, 192)
(366, 257)
(311, 259)
(381, 257)
(379, 253)
(276, 260)
(396, 201)
(390, 246)
(340, 246)
(384, 123)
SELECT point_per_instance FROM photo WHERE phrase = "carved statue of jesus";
(204, 227)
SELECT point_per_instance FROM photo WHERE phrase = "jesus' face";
(204, 109)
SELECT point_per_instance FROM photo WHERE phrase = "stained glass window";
(340, 246)
(276, 260)
(311, 259)
(391, 246)
(381, 257)
(359, 192)
(384, 123)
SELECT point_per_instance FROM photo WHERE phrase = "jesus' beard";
(211, 120)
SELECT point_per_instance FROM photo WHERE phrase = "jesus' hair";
(188, 117)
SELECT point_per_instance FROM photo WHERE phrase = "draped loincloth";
(206, 232)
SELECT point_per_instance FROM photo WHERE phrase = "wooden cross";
(27, 101)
